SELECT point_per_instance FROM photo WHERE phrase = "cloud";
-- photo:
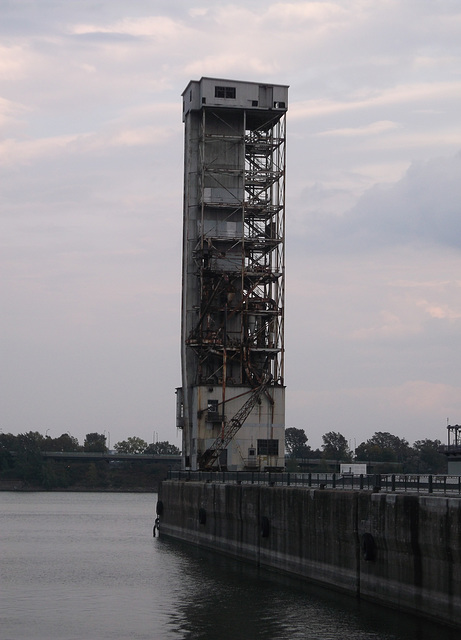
(12, 62)
(91, 203)
(11, 113)
(296, 13)
(421, 208)
(374, 128)
(414, 409)
(161, 28)
(444, 311)
(391, 326)
(418, 93)
(232, 63)
(16, 151)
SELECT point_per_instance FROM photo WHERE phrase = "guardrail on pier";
(440, 484)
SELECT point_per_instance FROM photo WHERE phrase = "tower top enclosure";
(234, 94)
(231, 405)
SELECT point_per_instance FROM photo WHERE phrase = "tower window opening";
(224, 92)
(212, 406)
(268, 447)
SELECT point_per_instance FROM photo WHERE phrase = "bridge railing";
(419, 483)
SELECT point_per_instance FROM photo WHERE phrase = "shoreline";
(21, 488)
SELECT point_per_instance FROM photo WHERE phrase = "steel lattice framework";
(241, 266)
(232, 317)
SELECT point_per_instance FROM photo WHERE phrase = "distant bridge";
(86, 456)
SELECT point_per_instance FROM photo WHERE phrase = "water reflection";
(230, 600)
(80, 566)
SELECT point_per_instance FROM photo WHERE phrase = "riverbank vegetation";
(23, 465)
(383, 453)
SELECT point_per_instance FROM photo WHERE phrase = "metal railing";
(440, 484)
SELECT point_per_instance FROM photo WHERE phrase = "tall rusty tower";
(231, 405)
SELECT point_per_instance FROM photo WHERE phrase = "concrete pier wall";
(399, 550)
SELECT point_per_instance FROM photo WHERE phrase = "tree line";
(386, 451)
(21, 460)
(93, 443)
(21, 457)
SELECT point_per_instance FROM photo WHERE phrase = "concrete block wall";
(418, 554)
(399, 550)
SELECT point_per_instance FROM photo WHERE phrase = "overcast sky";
(91, 208)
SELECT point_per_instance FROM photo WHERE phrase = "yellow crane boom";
(210, 456)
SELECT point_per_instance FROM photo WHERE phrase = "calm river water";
(84, 566)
